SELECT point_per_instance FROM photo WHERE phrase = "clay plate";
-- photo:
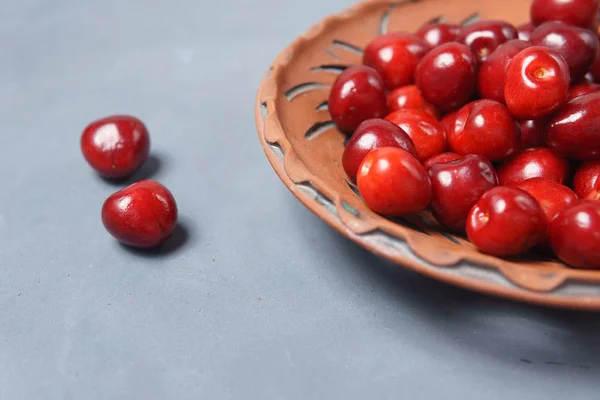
(305, 149)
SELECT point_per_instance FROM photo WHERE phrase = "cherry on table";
(586, 182)
(142, 215)
(506, 222)
(573, 131)
(357, 94)
(492, 74)
(578, 46)
(370, 135)
(575, 12)
(409, 97)
(575, 234)
(116, 146)
(447, 76)
(486, 128)
(538, 162)
(536, 83)
(441, 158)
(395, 56)
(532, 133)
(425, 131)
(456, 187)
(439, 33)
(392, 182)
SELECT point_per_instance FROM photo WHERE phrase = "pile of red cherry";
(486, 125)
(143, 214)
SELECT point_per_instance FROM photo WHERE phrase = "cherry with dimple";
(441, 158)
(370, 135)
(536, 83)
(506, 222)
(116, 146)
(142, 215)
(483, 37)
(456, 187)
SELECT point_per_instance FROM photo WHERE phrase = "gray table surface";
(255, 298)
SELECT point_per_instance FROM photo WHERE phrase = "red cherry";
(486, 128)
(483, 37)
(581, 89)
(439, 33)
(525, 31)
(532, 133)
(575, 234)
(586, 182)
(578, 46)
(506, 222)
(537, 83)
(490, 82)
(392, 182)
(447, 75)
(594, 72)
(358, 94)
(574, 130)
(409, 97)
(553, 197)
(574, 12)
(425, 131)
(457, 186)
(370, 135)
(538, 162)
(441, 159)
(395, 56)
(141, 215)
(116, 146)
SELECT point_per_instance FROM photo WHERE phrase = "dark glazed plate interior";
(305, 148)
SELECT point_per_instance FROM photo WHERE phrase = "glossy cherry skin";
(409, 97)
(538, 162)
(586, 182)
(553, 197)
(594, 72)
(490, 81)
(373, 134)
(425, 131)
(532, 133)
(141, 215)
(574, 130)
(456, 188)
(439, 33)
(575, 234)
(578, 46)
(447, 75)
(392, 182)
(486, 128)
(116, 146)
(575, 12)
(395, 56)
(525, 31)
(536, 83)
(448, 120)
(483, 37)
(581, 89)
(441, 159)
(357, 94)
(506, 222)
